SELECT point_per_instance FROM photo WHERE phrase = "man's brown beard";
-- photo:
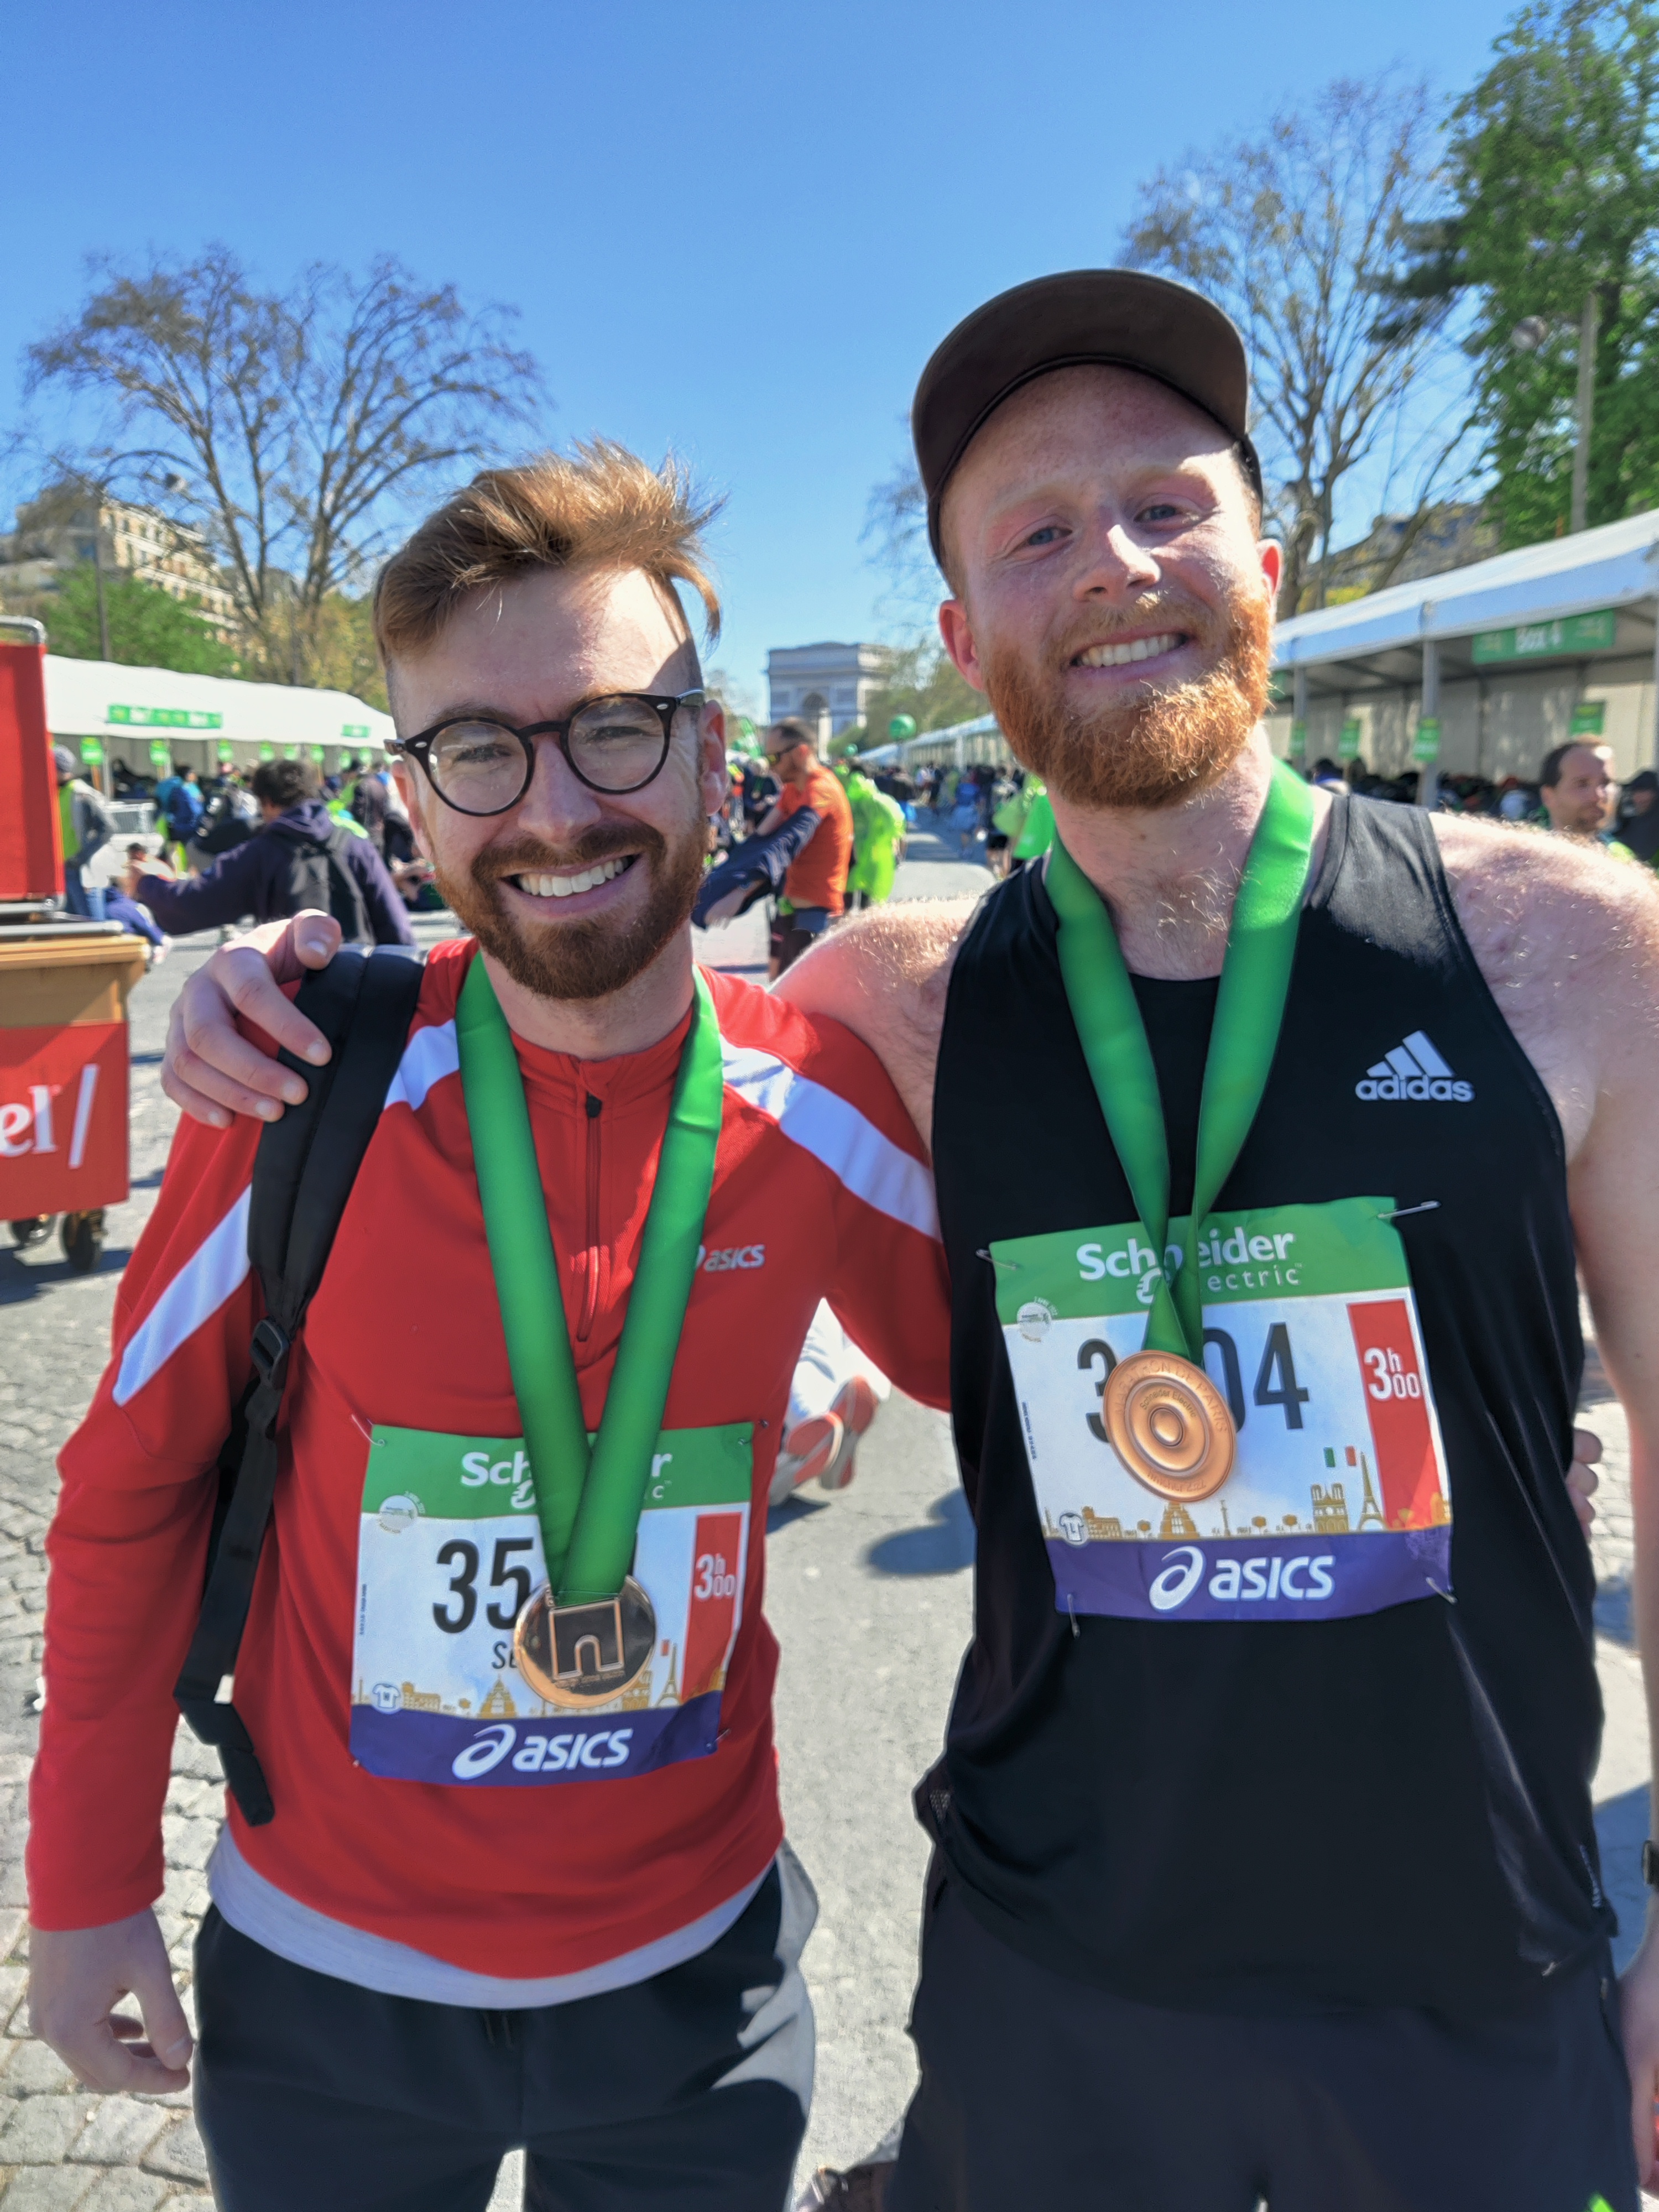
(1155, 750)
(589, 958)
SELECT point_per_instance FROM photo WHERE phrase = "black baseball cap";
(1112, 317)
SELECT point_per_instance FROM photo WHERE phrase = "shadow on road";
(21, 1280)
(944, 1546)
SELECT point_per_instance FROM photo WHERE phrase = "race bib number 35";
(1338, 1500)
(449, 1551)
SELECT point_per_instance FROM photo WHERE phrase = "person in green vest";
(1027, 820)
(878, 838)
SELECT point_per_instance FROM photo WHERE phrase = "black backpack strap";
(363, 1002)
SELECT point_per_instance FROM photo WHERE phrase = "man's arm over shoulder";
(884, 974)
(885, 1272)
(1564, 937)
(128, 1538)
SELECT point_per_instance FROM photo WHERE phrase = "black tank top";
(1390, 1810)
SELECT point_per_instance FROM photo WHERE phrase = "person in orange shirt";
(816, 885)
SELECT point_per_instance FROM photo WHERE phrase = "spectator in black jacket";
(299, 857)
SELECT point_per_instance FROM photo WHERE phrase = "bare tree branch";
(294, 429)
(1294, 232)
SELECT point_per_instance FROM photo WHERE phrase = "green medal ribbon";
(588, 1505)
(1256, 977)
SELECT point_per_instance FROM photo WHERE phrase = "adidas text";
(1413, 1070)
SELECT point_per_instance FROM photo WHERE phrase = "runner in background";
(834, 1396)
(878, 827)
(815, 889)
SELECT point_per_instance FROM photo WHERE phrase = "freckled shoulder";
(1567, 939)
(884, 974)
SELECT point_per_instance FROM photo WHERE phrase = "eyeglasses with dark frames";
(616, 743)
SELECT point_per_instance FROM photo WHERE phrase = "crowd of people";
(1212, 1171)
(253, 844)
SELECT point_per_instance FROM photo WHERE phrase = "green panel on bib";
(471, 1478)
(1305, 1251)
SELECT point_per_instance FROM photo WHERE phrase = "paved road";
(869, 1592)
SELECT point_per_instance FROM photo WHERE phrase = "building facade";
(60, 530)
(828, 686)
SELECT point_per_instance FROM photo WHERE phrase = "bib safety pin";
(1012, 1266)
(1428, 1206)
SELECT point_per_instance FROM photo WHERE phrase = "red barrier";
(31, 843)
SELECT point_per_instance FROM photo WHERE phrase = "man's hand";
(1582, 1481)
(211, 1069)
(76, 1977)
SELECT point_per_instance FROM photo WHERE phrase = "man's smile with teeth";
(586, 879)
(1132, 648)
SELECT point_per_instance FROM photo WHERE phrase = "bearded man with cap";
(1269, 1126)
(1265, 1866)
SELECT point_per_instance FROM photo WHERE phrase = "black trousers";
(1040, 2091)
(688, 2093)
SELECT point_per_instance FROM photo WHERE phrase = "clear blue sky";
(734, 227)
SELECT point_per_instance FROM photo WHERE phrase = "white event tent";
(140, 716)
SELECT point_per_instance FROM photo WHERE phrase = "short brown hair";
(599, 507)
(286, 783)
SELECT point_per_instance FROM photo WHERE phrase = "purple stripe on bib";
(1294, 1577)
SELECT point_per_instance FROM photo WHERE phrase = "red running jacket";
(820, 1190)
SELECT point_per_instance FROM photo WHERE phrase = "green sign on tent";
(163, 718)
(1425, 746)
(226, 751)
(1543, 640)
(1347, 747)
(158, 756)
(267, 752)
(354, 730)
(1589, 719)
(92, 752)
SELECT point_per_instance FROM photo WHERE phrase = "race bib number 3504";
(1337, 1502)
(450, 1549)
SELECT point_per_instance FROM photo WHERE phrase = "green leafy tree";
(148, 627)
(1552, 171)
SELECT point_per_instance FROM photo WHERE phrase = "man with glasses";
(504, 1669)
(815, 889)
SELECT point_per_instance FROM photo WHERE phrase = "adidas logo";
(1413, 1070)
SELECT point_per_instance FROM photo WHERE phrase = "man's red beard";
(593, 957)
(1150, 750)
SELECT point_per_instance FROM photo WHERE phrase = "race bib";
(1337, 1503)
(449, 1551)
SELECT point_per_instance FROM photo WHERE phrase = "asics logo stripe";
(429, 1056)
(1413, 1070)
(871, 1166)
(214, 1272)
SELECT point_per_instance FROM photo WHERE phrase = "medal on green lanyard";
(588, 1632)
(1166, 1420)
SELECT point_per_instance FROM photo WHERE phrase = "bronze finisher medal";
(1169, 1425)
(589, 1631)
(584, 1655)
(1164, 1418)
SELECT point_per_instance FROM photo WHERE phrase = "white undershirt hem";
(267, 1915)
